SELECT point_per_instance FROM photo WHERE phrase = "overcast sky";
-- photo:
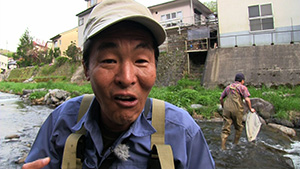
(43, 18)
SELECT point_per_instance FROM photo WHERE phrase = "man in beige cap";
(119, 59)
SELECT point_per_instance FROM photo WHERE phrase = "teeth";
(124, 97)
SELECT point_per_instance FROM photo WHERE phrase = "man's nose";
(126, 75)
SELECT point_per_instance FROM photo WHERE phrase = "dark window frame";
(261, 17)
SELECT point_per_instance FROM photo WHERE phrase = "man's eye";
(109, 61)
(141, 61)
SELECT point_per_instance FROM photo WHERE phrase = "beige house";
(173, 14)
(258, 22)
(63, 40)
(179, 13)
(3, 63)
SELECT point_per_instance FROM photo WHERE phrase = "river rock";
(283, 122)
(56, 97)
(264, 108)
(39, 101)
(196, 106)
(295, 116)
(78, 77)
(263, 122)
(14, 136)
(289, 131)
(21, 160)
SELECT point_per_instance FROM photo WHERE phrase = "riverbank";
(201, 103)
(186, 93)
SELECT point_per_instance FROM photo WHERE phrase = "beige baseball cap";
(109, 12)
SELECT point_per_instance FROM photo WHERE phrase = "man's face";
(122, 72)
(243, 82)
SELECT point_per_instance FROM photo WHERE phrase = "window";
(261, 17)
(80, 21)
(179, 15)
(171, 19)
(171, 16)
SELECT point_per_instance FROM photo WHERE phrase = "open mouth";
(125, 98)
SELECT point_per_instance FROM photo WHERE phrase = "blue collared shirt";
(189, 146)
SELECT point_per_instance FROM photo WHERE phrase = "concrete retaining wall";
(271, 65)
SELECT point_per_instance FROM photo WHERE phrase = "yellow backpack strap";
(74, 145)
(85, 104)
(158, 122)
(160, 150)
(70, 160)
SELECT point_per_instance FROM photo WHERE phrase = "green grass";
(18, 88)
(184, 94)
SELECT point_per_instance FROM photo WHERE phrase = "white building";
(3, 63)
(258, 22)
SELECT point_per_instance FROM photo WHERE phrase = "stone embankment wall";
(271, 65)
(172, 61)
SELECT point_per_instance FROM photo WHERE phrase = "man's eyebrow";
(144, 45)
(106, 45)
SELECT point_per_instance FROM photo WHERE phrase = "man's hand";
(252, 110)
(37, 163)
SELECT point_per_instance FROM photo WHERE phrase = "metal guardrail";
(292, 36)
(185, 21)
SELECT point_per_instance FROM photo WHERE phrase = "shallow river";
(272, 150)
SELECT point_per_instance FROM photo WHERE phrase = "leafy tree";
(54, 53)
(59, 61)
(212, 5)
(24, 48)
(73, 52)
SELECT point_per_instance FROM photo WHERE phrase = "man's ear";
(86, 71)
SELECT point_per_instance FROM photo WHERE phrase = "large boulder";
(282, 122)
(289, 131)
(56, 97)
(295, 118)
(78, 77)
(264, 108)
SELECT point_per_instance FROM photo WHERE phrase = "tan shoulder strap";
(70, 160)
(158, 146)
(85, 104)
(158, 122)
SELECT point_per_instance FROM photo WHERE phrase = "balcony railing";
(261, 38)
(185, 21)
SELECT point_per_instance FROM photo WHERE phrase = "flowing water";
(272, 149)
(17, 118)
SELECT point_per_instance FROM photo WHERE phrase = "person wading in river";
(119, 58)
(233, 108)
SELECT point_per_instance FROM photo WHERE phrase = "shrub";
(37, 95)
(47, 70)
(59, 61)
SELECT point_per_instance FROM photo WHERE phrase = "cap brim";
(154, 27)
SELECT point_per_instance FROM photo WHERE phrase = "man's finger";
(37, 163)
